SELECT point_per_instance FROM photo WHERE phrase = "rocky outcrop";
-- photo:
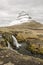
(8, 57)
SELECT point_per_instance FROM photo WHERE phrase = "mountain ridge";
(31, 24)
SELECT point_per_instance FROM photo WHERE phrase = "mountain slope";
(32, 25)
(22, 18)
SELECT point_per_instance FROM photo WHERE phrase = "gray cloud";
(10, 8)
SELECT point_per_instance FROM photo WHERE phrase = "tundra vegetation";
(29, 33)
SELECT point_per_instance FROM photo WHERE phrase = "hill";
(32, 25)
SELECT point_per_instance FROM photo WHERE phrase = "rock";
(9, 63)
(1, 62)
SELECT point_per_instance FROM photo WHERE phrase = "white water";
(15, 42)
(9, 46)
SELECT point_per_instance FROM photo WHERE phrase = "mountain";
(32, 24)
(23, 21)
(23, 14)
(22, 18)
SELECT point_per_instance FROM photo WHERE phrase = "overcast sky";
(9, 9)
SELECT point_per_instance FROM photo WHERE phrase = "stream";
(21, 48)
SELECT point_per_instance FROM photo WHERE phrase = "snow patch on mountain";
(22, 18)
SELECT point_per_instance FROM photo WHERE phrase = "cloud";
(10, 8)
(3, 14)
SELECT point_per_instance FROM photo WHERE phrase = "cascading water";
(9, 46)
(15, 42)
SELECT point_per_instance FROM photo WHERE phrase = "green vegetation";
(36, 48)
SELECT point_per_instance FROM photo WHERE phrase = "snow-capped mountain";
(22, 17)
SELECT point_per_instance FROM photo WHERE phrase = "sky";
(9, 10)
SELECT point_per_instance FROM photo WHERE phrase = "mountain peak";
(23, 15)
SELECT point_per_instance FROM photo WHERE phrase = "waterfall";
(9, 46)
(15, 42)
